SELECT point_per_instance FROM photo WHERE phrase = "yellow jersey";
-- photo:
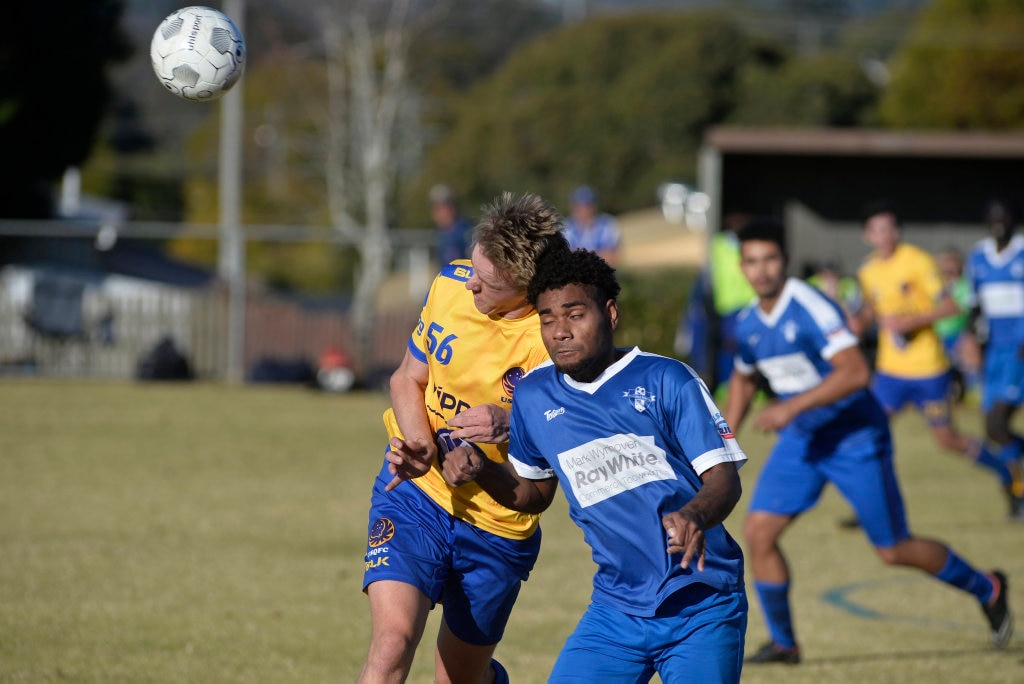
(472, 359)
(906, 283)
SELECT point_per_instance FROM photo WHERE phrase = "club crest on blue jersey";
(511, 378)
(790, 330)
(381, 532)
(639, 398)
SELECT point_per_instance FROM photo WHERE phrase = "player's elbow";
(860, 376)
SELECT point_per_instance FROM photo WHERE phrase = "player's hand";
(487, 423)
(408, 459)
(461, 465)
(774, 417)
(685, 536)
(898, 323)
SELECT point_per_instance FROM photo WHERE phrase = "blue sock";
(500, 673)
(993, 462)
(775, 605)
(958, 573)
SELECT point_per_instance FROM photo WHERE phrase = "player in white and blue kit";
(831, 430)
(649, 469)
(995, 269)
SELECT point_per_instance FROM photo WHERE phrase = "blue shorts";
(696, 636)
(859, 465)
(930, 395)
(1004, 377)
(474, 574)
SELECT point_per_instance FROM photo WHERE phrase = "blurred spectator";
(587, 228)
(453, 230)
(950, 328)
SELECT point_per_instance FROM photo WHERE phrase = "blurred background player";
(831, 430)
(904, 296)
(587, 228)
(427, 544)
(996, 274)
(950, 328)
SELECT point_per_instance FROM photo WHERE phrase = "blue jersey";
(997, 280)
(792, 347)
(628, 449)
(602, 235)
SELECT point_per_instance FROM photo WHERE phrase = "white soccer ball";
(198, 53)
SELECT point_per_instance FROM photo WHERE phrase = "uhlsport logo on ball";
(198, 53)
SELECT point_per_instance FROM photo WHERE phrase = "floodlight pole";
(231, 254)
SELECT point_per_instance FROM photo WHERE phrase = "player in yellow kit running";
(904, 295)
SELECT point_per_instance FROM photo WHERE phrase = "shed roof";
(865, 142)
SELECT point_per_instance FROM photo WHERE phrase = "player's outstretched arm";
(465, 464)
(850, 372)
(742, 389)
(486, 423)
(718, 495)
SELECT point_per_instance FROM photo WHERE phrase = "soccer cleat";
(771, 652)
(850, 522)
(1016, 507)
(1000, 619)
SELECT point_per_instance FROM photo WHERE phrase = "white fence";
(98, 324)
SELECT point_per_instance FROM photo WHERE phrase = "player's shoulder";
(808, 298)
(913, 254)
(536, 377)
(458, 271)
(669, 369)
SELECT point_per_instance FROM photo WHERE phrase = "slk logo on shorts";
(381, 532)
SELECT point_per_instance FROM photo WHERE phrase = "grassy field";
(202, 533)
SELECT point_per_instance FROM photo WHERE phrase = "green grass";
(202, 533)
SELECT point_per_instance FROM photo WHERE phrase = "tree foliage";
(960, 68)
(826, 89)
(53, 92)
(622, 103)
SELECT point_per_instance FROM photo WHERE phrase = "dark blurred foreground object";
(164, 362)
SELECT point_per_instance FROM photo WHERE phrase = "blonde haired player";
(429, 543)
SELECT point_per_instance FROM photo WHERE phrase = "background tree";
(826, 89)
(623, 102)
(54, 92)
(960, 68)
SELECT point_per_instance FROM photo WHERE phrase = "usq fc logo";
(640, 398)
(789, 331)
(510, 379)
(381, 531)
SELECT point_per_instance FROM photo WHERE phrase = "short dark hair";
(1001, 209)
(559, 266)
(764, 229)
(880, 206)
